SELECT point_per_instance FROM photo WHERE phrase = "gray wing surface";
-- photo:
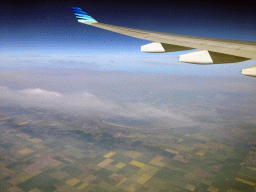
(239, 48)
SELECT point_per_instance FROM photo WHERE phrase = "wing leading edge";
(210, 50)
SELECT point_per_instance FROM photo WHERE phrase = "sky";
(50, 60)
(46, 34)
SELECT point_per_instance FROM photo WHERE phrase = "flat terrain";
(49, 151)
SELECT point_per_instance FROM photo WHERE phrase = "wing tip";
(82, 16)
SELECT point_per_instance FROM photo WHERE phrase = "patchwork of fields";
(41, 156)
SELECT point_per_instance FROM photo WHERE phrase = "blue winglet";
(82, 16)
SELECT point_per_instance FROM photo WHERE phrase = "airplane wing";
(210, 50)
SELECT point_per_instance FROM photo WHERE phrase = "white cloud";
(86, 102)
(51, 99)
(40, 92)
(161, 116)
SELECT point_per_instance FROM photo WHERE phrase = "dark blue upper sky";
(50, 30)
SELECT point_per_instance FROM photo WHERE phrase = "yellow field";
(212, 189)
(246, 182)
(143, 179)
(137, 163)
(120, 165)
(123, 180)
(190, 187)
(157, 163)
(201, 152)
(109, 154)
(25, 151)
(73, 181)
(82, 186)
